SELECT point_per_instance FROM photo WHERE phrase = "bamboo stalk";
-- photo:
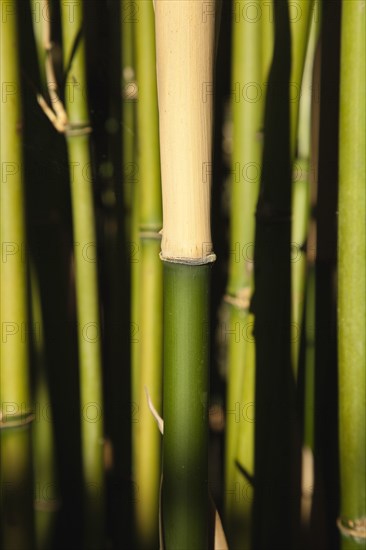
(247, 112)
(40, 11)
(303, 49)
(277, 454)
(129, 98)
(185, 38)
(185, 442)
(309, 426)
(352, 277)
(46, 501)
(303, 273)
(300, 22)
(15, 400)
(77, 136)
(267, 38)
(131, 187)
(150, 282)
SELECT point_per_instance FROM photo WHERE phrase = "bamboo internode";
(352, 275)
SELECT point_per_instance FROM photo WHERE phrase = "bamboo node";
(78, 129)
(210, 258)
(16, 421)
(145, 234)
(353, 528)
(241, 299)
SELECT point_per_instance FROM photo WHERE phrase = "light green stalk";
(352, 275)
(300, 93)
(245, 444)
(146, 452)
(247, 108)
(309, 387)
(301, 16)
(15, 401)
(85, 273)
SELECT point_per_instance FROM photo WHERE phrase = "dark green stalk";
(277, 455)
(77, 134)
(46, 501)
(15, 400)
(186, 384)
(352, 277)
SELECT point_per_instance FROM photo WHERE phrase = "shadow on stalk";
(276, 507)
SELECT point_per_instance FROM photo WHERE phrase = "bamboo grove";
(183, 274)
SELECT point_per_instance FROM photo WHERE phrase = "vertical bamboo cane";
(352, 277)
(77, 134)
(15, 405)
(129, 92)
(40, 12)
(150, 285)
(247, 108)
(185, 34)
(46, 490)
(302, 21)
(277, 456)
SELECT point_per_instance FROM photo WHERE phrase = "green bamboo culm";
(15, 401)
(77, 136)
(149, 272)
(185, 46)
(302, 21)
(352, 277)
(247, 109)
(277, 452)
(185, 404)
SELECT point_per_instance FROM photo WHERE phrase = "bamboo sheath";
(185, 35)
